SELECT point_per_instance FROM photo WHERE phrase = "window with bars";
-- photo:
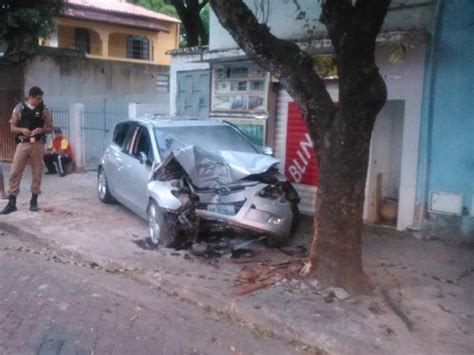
(138, 47)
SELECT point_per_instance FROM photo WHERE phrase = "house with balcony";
(103, 54)
(100, 50)
(115, 30)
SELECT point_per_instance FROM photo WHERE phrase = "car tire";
(103, 188)
(162, 226)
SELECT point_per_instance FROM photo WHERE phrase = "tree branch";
(284, 59)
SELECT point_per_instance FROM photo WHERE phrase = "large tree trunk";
(336, 248)
(189, 12)
(191, 27)
(341, 137)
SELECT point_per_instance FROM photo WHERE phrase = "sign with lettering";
(300, 162)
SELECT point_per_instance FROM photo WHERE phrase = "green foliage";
(205, 16)
(166, 7)
(398, 52)
(162, 6)
(326, 67)
(23, 23)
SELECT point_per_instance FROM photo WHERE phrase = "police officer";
(30, 122)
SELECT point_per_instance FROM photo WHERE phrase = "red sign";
(300, 163)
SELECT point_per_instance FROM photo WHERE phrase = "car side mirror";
(267, 151)
(142, 158)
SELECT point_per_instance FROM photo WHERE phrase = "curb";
(230, 308)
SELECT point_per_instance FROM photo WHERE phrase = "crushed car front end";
(255, 207)
(226, 191)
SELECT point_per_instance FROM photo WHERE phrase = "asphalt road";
(47, 307)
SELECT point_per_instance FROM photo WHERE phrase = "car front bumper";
(257, 214)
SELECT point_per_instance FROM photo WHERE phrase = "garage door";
(193, 93)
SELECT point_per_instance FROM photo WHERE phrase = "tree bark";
(341, 136)
(189, 11)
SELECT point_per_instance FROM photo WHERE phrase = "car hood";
(210, 169)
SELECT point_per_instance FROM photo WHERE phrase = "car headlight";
(275, 220)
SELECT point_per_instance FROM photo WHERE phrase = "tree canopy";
(194, 15)
(24, 22)
(163, 6)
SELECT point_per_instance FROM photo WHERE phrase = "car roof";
(169, 121)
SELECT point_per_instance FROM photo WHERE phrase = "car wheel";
(162, 226)
(103, 187)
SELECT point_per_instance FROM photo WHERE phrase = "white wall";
(284, 22)
(66, 79)
(181, 63)
(385, 158)
(404, 82)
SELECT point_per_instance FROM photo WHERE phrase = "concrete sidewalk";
(430, 282)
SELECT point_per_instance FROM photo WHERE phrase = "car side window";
(142, 143)
(129, 136)
(120, 134)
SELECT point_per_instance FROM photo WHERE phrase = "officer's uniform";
(29, 149)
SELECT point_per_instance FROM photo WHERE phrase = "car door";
(115, 168)
(113, 164)
(138, 171)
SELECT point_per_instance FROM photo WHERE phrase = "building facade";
(445, 187)
(240, 92)
(103, 54)
(115, 30)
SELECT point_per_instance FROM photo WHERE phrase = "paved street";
(48, 307)
(431, 282)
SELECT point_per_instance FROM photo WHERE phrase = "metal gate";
(8, 99)
(99, 120)
(60, 116)
(193, 93)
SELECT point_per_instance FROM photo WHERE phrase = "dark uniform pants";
(60, 160)
(25, 153)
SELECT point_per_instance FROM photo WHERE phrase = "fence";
(95, 122)
(60, 116)
(8, 99)
(88, 127)
(98, 121)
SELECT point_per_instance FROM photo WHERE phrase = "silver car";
(189, 175)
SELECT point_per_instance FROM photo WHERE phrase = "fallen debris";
(297, 251)
(255, 277)
(340, 293)
(375, 308)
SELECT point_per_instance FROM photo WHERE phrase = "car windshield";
(214, 138)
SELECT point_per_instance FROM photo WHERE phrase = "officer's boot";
(11, 206)
(34, 203)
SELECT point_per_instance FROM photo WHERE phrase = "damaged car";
(190, 175)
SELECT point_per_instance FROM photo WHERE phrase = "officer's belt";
(23, 139)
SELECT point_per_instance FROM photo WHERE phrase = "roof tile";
(122, 7)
